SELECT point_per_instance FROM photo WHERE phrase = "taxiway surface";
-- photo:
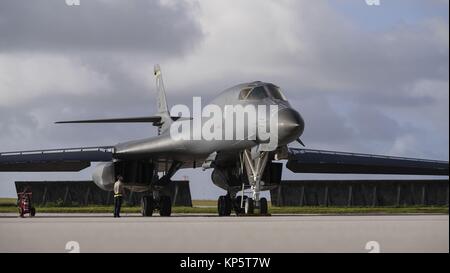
(206, 233)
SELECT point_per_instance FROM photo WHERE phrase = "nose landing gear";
(242, 204)
(255, 168)
(251, 208)
(225, 205)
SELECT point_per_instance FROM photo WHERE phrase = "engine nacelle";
(104, 176)
(137, 175)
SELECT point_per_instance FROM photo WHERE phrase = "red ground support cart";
(25, 205)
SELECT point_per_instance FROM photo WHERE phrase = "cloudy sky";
(372, 79)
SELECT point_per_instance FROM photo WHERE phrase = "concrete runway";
(204, 233)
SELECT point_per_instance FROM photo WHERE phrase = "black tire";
(147, 206)
(263, 207)
(249, 206)
(238, 200)
(221, 203)
(237, 205)
(32, 212)
(165, 206)
(224, 205)
(229, 205)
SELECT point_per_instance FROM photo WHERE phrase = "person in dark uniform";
(118, 192)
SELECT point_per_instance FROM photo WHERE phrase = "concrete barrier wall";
(83, 193)
(361, 193)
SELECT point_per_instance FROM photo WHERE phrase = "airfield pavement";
(209, 233)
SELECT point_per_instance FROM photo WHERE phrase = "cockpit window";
(262, 92)
(257, 93)
(244, 93)
(275, 92)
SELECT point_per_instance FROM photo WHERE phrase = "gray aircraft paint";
(200, 149)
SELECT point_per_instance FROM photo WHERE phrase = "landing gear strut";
(249, 206)
(255, 167)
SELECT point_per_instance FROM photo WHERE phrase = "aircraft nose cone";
(290, 125)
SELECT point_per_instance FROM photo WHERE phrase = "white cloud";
(405, 146)
(24, 77)
(440, 33)
(310, 43)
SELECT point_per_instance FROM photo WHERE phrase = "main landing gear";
(149, 204)
(161, 203)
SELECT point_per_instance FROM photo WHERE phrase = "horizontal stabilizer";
(152, 119)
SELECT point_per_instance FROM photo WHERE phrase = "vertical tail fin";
(161, 92)
(163, 109)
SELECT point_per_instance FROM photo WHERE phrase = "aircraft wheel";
(147, 206)
(165, 206)
(263, 208)
(237, 205)
(224, 205)
(229, 205)
(249, 206)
